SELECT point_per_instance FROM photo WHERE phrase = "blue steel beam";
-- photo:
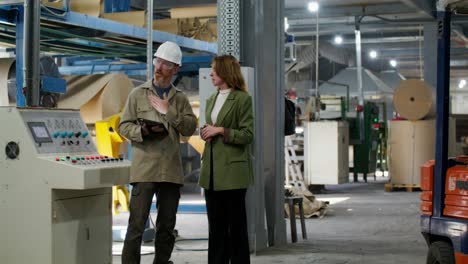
(20, 99)
(114, 27)
(189, 64)
(442, 106)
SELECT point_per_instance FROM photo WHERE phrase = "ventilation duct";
(306, 56)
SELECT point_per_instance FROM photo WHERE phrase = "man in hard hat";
(155, 115)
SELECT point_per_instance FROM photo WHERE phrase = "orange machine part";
(456, 200)
(456, 211)
(428, 213)
(426, 196)
(426, 206)
(461, 258)
(427, 175)
(462, 159)
(456, 182)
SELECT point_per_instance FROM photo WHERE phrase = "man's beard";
(159, 78)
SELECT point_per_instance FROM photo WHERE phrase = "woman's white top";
(220, 99)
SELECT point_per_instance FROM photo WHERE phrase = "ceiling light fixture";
(393, 63)
(338, 40)
(313, 6)
(462, 84)
(373, 54)
(286, 24)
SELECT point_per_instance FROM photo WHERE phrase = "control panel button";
(84, 134)
(70, 134)
(56, 134)
(77, 134)
(63, 134)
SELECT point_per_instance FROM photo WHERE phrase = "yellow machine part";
(108, 142)
(120, 199)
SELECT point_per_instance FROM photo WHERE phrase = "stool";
(291, 201)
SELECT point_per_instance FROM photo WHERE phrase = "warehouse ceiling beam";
(355, 10)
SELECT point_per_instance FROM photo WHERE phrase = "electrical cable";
(190, 249)
(53, 12)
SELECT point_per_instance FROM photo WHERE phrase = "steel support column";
(443, 87)
(31, 47)
(430, 48)
(262, 47)
(20, 99)
(149, 40)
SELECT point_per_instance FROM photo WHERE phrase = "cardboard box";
(411, 144)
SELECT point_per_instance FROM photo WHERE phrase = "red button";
(73, 161)
(57, 159)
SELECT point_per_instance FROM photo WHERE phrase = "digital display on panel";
(39, 132)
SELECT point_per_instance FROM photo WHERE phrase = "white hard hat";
(169, 51)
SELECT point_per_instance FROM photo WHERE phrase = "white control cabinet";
(55, 189)
(326, 158)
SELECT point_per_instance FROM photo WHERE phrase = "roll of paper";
(414, 100)
(97, 96)
(5, 66)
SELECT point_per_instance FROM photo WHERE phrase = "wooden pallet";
(391, 187)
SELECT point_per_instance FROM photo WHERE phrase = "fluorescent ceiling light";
(373, 54)
(462, 84)
(313, 6)
(338, 40)
(286, 24)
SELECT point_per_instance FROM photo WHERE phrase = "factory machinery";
(55, 189)
(336, 125)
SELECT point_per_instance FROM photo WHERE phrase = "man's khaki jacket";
(157, 160)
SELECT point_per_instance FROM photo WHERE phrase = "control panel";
(50, 168)
(58, 132)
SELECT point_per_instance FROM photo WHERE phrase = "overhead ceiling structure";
(393, 28)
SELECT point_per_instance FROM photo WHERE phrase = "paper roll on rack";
(414, 100)
(97, 96)
(6, 70)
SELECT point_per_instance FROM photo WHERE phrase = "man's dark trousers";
(167, 195)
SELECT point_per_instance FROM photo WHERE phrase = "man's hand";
(161, 105)
(208, 132)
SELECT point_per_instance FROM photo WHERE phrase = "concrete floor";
(364, 225)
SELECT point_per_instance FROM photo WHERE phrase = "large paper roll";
(97, 96)
(5, 68)
(414, 100)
